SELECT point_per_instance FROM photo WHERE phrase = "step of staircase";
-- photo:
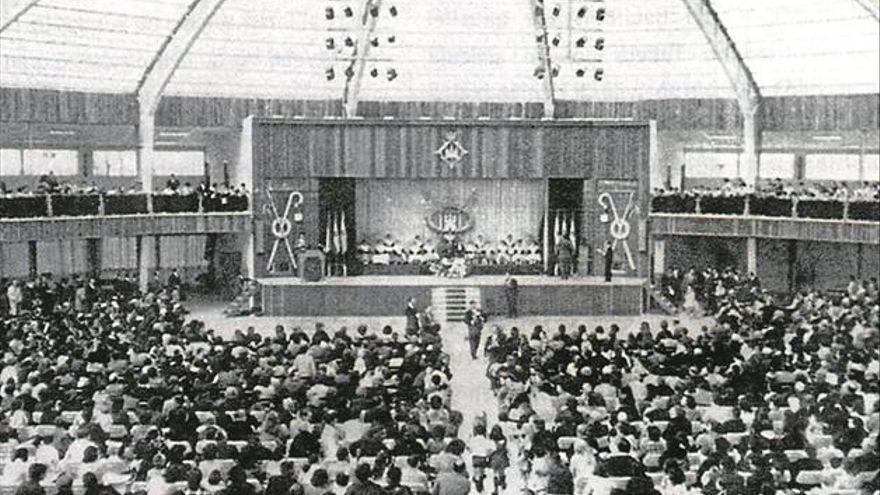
(451, 303)
(662, 301)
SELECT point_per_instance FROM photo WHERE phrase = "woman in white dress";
(691, 306)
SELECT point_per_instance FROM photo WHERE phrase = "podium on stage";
(311, 265)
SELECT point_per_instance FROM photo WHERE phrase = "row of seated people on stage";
(476, 250)
(769, 397)
(865, 191)
(128, 396)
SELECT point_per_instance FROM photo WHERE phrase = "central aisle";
(471, 393)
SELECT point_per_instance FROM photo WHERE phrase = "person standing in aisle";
(474, 319)
(511, 293)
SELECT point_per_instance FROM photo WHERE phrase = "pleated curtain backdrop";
(62, 257)
(13, 259)
(498, 207)
(119, 253)
(182, 251)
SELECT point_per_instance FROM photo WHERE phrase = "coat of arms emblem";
(451, 151)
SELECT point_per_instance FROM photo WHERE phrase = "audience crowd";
(775, 198)
(867, 191)
(771, 397)
(118, 392)
(82, 199)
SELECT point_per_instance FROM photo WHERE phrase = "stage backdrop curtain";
(62, 257)
(498, 207)
(13, 260)
(182, 251)
(119, 253)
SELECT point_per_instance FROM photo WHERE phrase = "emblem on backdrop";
(451, 151)
(450, 220)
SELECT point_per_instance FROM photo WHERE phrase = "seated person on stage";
(365, 252)
(532, 252)
(415, 253)
(476, 249)
(507, 249)
(382, 251)
(518, 254)
(430, 249)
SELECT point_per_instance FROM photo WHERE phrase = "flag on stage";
(557, 229)
(546, 240)
(343, 235)
(336, 238)
(328, 239)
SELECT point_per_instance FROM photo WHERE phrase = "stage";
(387, 295)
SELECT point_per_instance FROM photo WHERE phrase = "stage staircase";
(661, 301)
(450, 303)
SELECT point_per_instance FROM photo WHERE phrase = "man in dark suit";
(564, 255)
(412, 315)
(622, 464)
(474, 319)
(609, 258)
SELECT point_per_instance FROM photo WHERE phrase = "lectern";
(311, 265)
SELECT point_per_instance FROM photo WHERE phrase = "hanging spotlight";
(579, 73)
(539, 37)
(557, 10)
(556, 41)
(600, 14)
(330, 73)
(600, 44)
(348, 12)
(374, 41)
(349, 72)
(582, 12)
(554, 72)
(391, 74)
(581, 42)
(374, 11)
(599, 74)
(539, 72)
(330, 43)
(392, 39)
(374, 72)
(349, 42)
(393, 11)
(329, 14)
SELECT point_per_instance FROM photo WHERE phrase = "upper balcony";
(59, 216)
(766, 216)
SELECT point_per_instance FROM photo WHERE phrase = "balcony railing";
(85, 205)
(768, 206)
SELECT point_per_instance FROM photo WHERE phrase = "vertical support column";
(250, 257)
(659, 256)
(792, 265)
(752, 255)
(143, 256)
(750, 164)
(93, 256)
(146, 150)
(32, 258)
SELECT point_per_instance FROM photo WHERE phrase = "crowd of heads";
(864, 191)
(125, 393)
(772, 396)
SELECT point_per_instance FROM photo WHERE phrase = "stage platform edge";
(386, 296)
